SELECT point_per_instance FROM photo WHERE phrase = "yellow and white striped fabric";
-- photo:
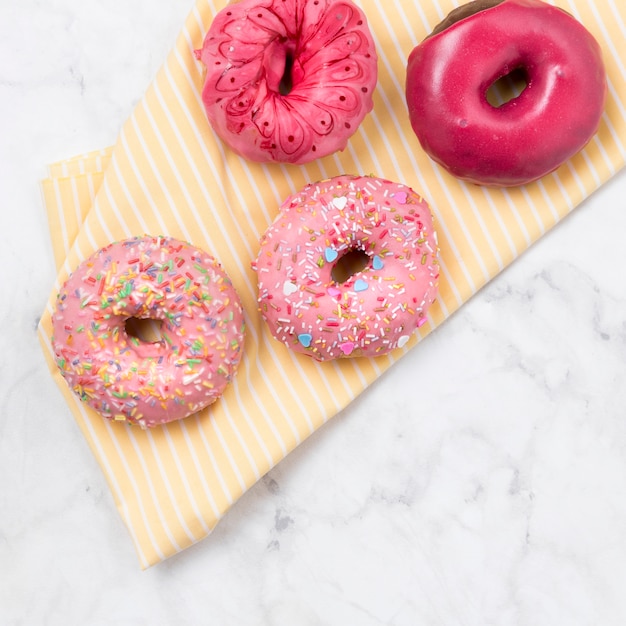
(168, 174)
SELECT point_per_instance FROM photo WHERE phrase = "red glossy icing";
(333, 75)
(558, 112)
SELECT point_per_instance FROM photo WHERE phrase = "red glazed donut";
(142, 382)
(288, 80)
(554, 116)
(348, 268)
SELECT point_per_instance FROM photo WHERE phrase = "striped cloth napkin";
(169, 174)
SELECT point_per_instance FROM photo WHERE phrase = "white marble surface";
(483, 481)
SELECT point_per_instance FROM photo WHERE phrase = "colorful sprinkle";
(305, 339)
(289, 288)
(402, 341)
(347, 347)
(330, 255)
(340, 203)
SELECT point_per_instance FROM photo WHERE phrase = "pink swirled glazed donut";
(380, 237)
(148, 383)
(555, 115)
(288, 80)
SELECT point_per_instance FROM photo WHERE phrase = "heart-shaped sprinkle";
(305, 339)
(330, 255)
(421, 321)
(289, 288)
(340, 203)
(402, 341)
(333, 291)
(377, 263)
(346, 347)
(360, 285)
(400, 197)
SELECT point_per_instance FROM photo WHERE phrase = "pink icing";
(125, 378)
(288, 81)
(558, 112)
(379, 306)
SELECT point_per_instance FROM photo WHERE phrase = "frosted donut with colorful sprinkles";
(348, 268)
(191, 358)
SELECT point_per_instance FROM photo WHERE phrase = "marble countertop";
(481, 481)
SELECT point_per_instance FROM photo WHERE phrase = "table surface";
(481, 481)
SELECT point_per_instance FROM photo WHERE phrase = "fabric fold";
(169, 174)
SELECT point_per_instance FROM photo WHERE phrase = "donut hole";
(285, 85)
(348, 265)
(507, 87)
(146, 330)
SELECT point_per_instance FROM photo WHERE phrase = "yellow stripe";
(168, 174)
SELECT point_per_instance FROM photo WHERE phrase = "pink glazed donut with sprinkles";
(348, 268)
(183, 368)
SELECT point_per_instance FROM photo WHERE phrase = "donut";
(288, 80)
(559, 68)
(348, 268)
(187, 362)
